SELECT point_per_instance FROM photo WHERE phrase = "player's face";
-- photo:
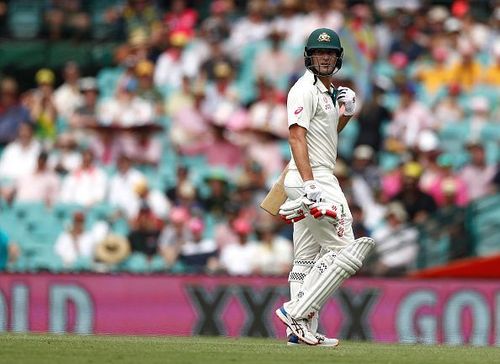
(324, 60)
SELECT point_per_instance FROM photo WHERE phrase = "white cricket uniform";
(310, 106)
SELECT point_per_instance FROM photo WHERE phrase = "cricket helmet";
(323, 38)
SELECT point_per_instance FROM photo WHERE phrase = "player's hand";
(294, 210)
(348, 98)
(326, 210)
(312, 190)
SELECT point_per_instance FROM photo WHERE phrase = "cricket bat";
(276, 195)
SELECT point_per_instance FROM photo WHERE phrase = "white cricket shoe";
(299, 327)
(293, 340)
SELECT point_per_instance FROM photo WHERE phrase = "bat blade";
(276, 195)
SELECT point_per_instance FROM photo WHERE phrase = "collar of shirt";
(310, 76)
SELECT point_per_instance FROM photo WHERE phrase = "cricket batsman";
(325, 251)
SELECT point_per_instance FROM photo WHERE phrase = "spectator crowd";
(180, 141)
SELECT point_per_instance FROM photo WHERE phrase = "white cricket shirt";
(310, 106)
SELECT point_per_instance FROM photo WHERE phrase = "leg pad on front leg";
(329, 272)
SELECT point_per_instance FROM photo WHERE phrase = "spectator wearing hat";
(174, 235)
(122, 186)
(76, 242)
(409, 43)
(436, 73)
(19, 157)
(106, 144)
(85, 186)
(183, 97)
(41, 103)
(189, 123)
(171, 65)
(85, 114)
(12, 113)
(448, 184)
(146, 88)
(358, 192)
(222, 100)
(184, 192)
(239, 258)
(274, 64)
(250, 28)
(140, 15)
(218, 195)
(198, 254)
(268, 114)
(67, 97)
(291, 22)
(467, 71)
(181, 19)
(216, 55)
(417, 204)
(477, 174)
(42, 185)
(145, 232)
(126, 109)
(217, 26)
(397, 244)
(145, 196)
(274, 254)
(363, 165)
(448, 109)
(65, 157)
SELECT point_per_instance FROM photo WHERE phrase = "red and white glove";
(326, 210)
(312, 190)
(294, 210)
(348, 97)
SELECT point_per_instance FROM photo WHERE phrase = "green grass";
(54, 349)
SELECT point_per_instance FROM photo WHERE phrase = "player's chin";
(326, 70)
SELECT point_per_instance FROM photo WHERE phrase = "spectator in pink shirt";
(477, 175)
(217, 149)
(448, 182)
(40, 186)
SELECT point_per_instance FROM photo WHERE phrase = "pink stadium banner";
(411, 311)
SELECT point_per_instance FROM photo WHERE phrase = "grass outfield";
(53, 349)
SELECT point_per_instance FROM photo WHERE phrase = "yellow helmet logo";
(323, 37)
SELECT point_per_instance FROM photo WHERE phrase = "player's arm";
(347, 97)
(298, 145)
(343, 120)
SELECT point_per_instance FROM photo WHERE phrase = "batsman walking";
(325, 251)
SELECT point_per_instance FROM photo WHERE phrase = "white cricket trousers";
(311, 235)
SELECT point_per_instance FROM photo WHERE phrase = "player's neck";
(325, 80)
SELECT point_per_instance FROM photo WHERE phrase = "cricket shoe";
(293, 340)
(299, 327)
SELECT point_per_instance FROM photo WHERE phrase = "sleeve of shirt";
(300, 107)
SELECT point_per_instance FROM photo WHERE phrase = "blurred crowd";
(186, 134)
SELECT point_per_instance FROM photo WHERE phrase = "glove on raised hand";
(312, 191)
(348, 97)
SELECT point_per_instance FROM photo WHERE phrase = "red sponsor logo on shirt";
(299, 109)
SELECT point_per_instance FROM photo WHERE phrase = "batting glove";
(312, 191)
(348, 98)
(294, 210)
(327, 210)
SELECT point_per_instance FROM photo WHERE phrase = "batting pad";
(329, 272)
(300, 269)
